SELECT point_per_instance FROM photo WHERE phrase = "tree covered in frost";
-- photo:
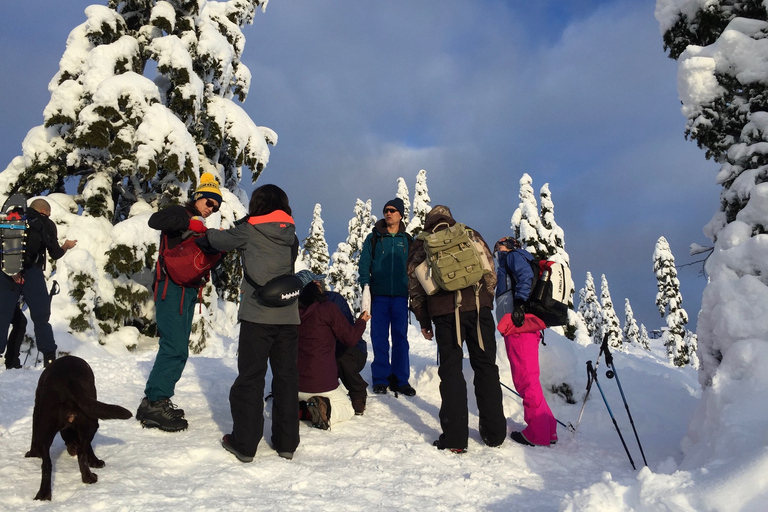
(590, 309)
(541, 235)
(342, 273)
(631, 330)
(526, 223)
(402, 193)
(720, 47)
(670, 302)
(421, 204)
(610, 325)
(644, 338)
(314, 247)
(145, 101)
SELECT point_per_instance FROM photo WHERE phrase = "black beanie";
(397, 204)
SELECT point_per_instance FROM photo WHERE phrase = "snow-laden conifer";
(722, 77)
(145, 101)
(590, 309)
(631, 329)
(314, 247)
(670, 302)
(421, 204)
(526, 224)
(610, 324)
(402, 193)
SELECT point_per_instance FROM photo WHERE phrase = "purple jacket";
(322, 323)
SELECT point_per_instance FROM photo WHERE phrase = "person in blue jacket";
(383, 276)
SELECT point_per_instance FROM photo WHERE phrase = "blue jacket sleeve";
(522, 272)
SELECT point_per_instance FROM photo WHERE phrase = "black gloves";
(518, 314)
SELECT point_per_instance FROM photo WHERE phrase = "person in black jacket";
(42, 237)
(174, 309)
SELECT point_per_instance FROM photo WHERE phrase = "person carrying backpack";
(42, 238)
(384, 281)
(174, 308)
(474, 311)
(522, 333)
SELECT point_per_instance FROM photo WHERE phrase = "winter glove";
(518, 314)
(197, 225)
(365, 305)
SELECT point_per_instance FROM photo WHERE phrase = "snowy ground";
(383, 460)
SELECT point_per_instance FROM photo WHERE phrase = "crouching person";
(321, 399)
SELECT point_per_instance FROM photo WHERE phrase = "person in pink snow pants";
(522, 334)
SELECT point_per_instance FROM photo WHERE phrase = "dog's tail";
(104, 411)
(93, 408)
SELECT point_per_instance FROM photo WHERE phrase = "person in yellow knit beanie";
(174, 309)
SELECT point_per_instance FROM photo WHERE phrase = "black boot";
(161, 414)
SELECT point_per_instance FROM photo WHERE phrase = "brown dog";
(65, 402)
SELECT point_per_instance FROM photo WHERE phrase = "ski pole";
(569, 426)
(589, 380)
(611, 374)
(618, 431)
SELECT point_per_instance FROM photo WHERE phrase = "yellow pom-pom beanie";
(208, 187)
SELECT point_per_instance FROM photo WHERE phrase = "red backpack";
(186, 264)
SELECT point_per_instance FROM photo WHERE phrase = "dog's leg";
(84, 452)
(69, 436)
(43, 447)
(93, 461)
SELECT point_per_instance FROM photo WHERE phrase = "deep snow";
(380, 461)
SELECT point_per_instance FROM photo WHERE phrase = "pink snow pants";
(523, 353)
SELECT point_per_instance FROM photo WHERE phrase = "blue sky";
(578, 94)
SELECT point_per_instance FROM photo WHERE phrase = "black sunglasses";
(390, 210)
(210, 203)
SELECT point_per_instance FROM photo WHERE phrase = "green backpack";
(455, 261)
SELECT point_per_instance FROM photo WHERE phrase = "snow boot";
(439, 445)
(161, 414)
(358, 404)
(226, 443)
(320, 409)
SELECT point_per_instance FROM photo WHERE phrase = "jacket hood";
(277, 226)
(437, 215)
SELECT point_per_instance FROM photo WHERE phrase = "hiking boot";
(405, 389)
(48, 358)
(518, 437)
(439, 445)
(226, 443)
(161, 414)
(320, 409)
(380, 389)
(358, 404)
(488, 440)
(174, 410)
(286, 455)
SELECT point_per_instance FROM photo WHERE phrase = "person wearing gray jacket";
(266, 240)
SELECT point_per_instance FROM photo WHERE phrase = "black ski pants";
(454, 415)
(259, 344)
(350, 363)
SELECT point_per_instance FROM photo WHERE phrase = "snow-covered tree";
(610, 324)
(722, 81)
(590, 309)
(402, 193)
(342, 273)
(526, 224)
(551, 234)
(314, 247)
(421, 204)
(645, 341)
(631, 329)
(145, 101)
(669, 301)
